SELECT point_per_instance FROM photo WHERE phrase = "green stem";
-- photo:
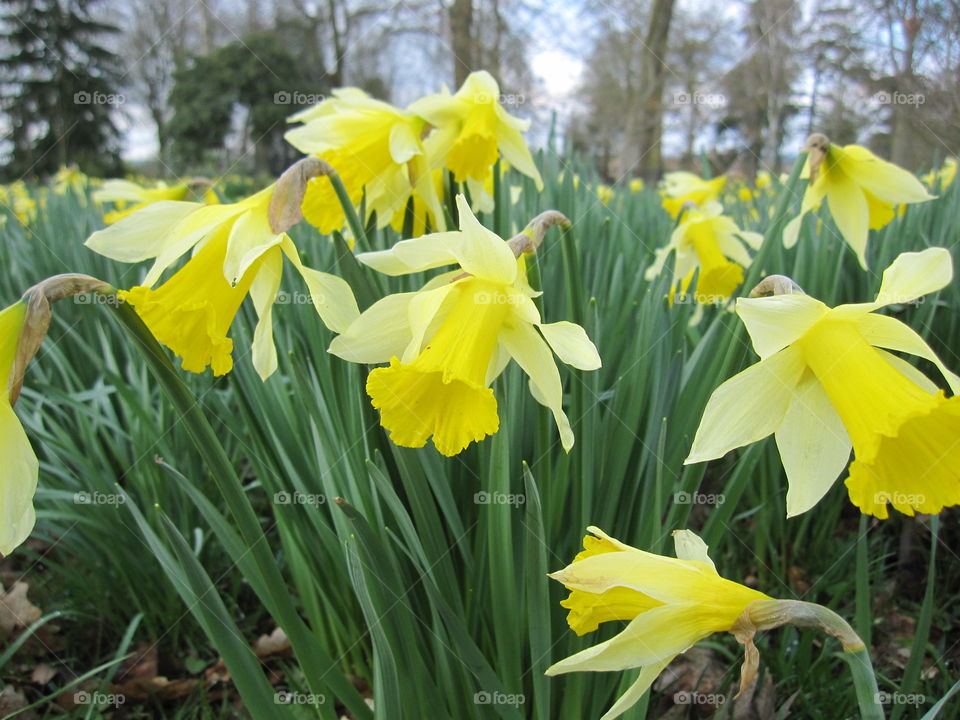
(319, 668)
(865, 684)
(353, 220)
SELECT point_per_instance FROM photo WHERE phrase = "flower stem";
(353, 220)
(865, 684)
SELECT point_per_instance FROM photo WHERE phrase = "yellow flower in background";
(669, 605)
(944, 176)
(20, 466)
(17, 197)
(69, 178)
(447, 342)
(235, 253)
(605, 194)
(764, 180)
(709, 240)
(375, 149)
(472, 130)
(826, 383)
(681, 187)
(636, 185)
(128, 197)
(860, 188)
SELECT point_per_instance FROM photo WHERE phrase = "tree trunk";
(650, 125)
(462, 39)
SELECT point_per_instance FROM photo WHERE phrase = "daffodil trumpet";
(669, 605)
(447, 342)
(827, 384)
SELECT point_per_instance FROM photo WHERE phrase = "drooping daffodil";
(128, 197)
(472, 130)
(681, 187)
(235, 252)
(860, 188)
(826, 383)
(709, 240)
(447, 342)
(377, 151)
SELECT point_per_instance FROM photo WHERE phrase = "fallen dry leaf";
(16, 611)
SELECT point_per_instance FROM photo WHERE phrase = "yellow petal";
(779, 320)
(141, 235)
(331, 295)
(915, 274)
(571, 344)
(250, 237)
(19, 482)
(533, 355)
(690, 546)
(848, 206)
(381, 332)
(888, 182)
(263, 292)
(814, 446)
(747, 407)
(648, 673)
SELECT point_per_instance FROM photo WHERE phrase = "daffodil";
(605, 194)
(942, 177)
(860, 188)
(21, 468)
(69, 179)
(447, 342)
(681, 187)
(709, 240)
(472, 130)
(669, 605)
(17, 197)
(236, 252)
(377, 152)
(128, 197)
(826, 383)
(636, 185)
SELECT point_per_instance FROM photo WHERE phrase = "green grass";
(395, 574)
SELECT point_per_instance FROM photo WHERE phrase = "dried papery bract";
(816, 147)
(286, 204)
(776, 285)
(39, 300)
(531, 237)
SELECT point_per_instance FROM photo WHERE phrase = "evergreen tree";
(60, 88)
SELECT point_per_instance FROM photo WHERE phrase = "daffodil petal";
(250, 238)
(533, 355)
(690, 546)
(887, 332)
(515, 151)
(571, 344)
(915, 274)
(777, 321)
(814, 445)
(141, 235)
(19, 483)
(648, 673)
(886, 181)
(404, 143)
(747, 407)
(912, 373)
(848, 206)
(481, 252)
(422, 313)
(792, 231)
(381, 332)
(649, 639)
(331, 295)
(263, 292)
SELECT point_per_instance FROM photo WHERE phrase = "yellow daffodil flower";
(709, 240)
(942, 178)
(670, 604)
(375, 149)
(764, 180)
(235, 253)
(605, 194)
(636, 185)
(69, 178)
(860, 188)
(128, 197)
(447, 342)
(17, 197)
(681, 187)
(21, 468)
(826, 383)
(472, 130)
